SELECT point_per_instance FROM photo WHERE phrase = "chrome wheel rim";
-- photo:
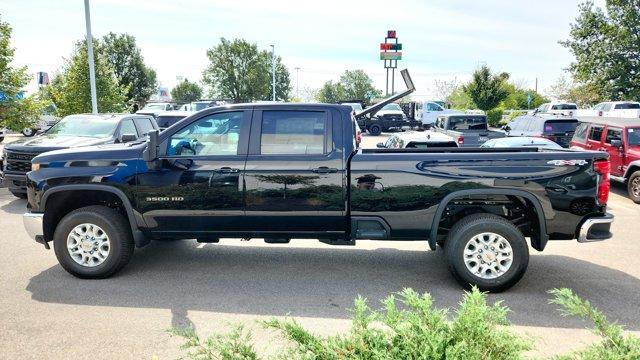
(635, 187)
(88, 245)
(27, 132)
(488, 255)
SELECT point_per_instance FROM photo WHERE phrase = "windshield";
(154, 107)
(84, 126)
(560, 126)
(564, 107)
(199, 106)
(633, 136)
(392, 106)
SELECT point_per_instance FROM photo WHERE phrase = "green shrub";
(494, 116)
(413, 330)
(614, 344)
(409, 327)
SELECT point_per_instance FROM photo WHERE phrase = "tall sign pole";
(92, 70)
(390, 53)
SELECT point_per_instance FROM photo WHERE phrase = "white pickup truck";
(428, 112)
(614, 109)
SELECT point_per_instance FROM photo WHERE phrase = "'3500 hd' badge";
(165, 198)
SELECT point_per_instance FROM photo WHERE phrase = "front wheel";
(93, 242)
(633, 187)
(28, 132)
(486, 251)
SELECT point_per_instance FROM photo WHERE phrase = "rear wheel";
(375, 130)
(93, 242)
(633, 187)
(1, 139)
(486, 251)
(28, 132)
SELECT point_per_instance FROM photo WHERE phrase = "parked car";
(72, 131)
(283, 171)
(165, 119)
(556, 128)
(620, 137)
(558, 108)
(154, 108)
(417, 140)
(521, 141)
(429, 111)
(467, 130)
(390, 116)
(619, 109)
(44, 123)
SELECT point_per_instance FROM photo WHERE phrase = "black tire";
(375, 130)
(19, 194)
(633, 187)
(29, 132)
(116, 228)
(465, 230)
(1, 139)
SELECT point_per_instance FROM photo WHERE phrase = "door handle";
(324, 170)
(227, 170)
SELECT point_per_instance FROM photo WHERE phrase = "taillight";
(460, 140)
(602, 168)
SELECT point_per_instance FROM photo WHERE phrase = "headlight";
(35, 167)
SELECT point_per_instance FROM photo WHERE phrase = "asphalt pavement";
(47, 313)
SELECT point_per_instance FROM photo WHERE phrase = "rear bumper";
(33, 224)
(596, 229)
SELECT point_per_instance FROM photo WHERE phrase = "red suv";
(620, 137)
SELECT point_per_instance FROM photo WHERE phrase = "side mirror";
(380, 145)
(616, 143)
(151, 152)
(125, 138)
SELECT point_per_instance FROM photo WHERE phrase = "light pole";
(273, 71)
(297, 82)
(92, 70)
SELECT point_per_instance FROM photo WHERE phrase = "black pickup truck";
(283, 171)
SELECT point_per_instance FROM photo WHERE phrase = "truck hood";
(46, 142)
(119, 152)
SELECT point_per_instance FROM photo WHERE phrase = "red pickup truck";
(620, 137)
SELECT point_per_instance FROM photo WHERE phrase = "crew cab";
(620, 138)
(558, 108)
(72, 131)
(292, 171)
(468, 130)
(556, 128)
(429, 111)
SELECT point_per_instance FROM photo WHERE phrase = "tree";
(487, 90)
(460, 100)
(70, 89)
(606, 47)
(357, 85)
(186, 92)
(518, 98)
(331, 93)
(16, 111)
(127, 62)
(445, 88)
(238, 71)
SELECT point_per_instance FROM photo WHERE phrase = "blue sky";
(442, 39)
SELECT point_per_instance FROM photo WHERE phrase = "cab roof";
(617, 122)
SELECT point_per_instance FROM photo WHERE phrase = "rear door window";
(144, 126)
(564, 107)
(293, 133)
(127, 127)
(581, 132)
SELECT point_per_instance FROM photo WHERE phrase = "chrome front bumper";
(596, 229)
(33, 224)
